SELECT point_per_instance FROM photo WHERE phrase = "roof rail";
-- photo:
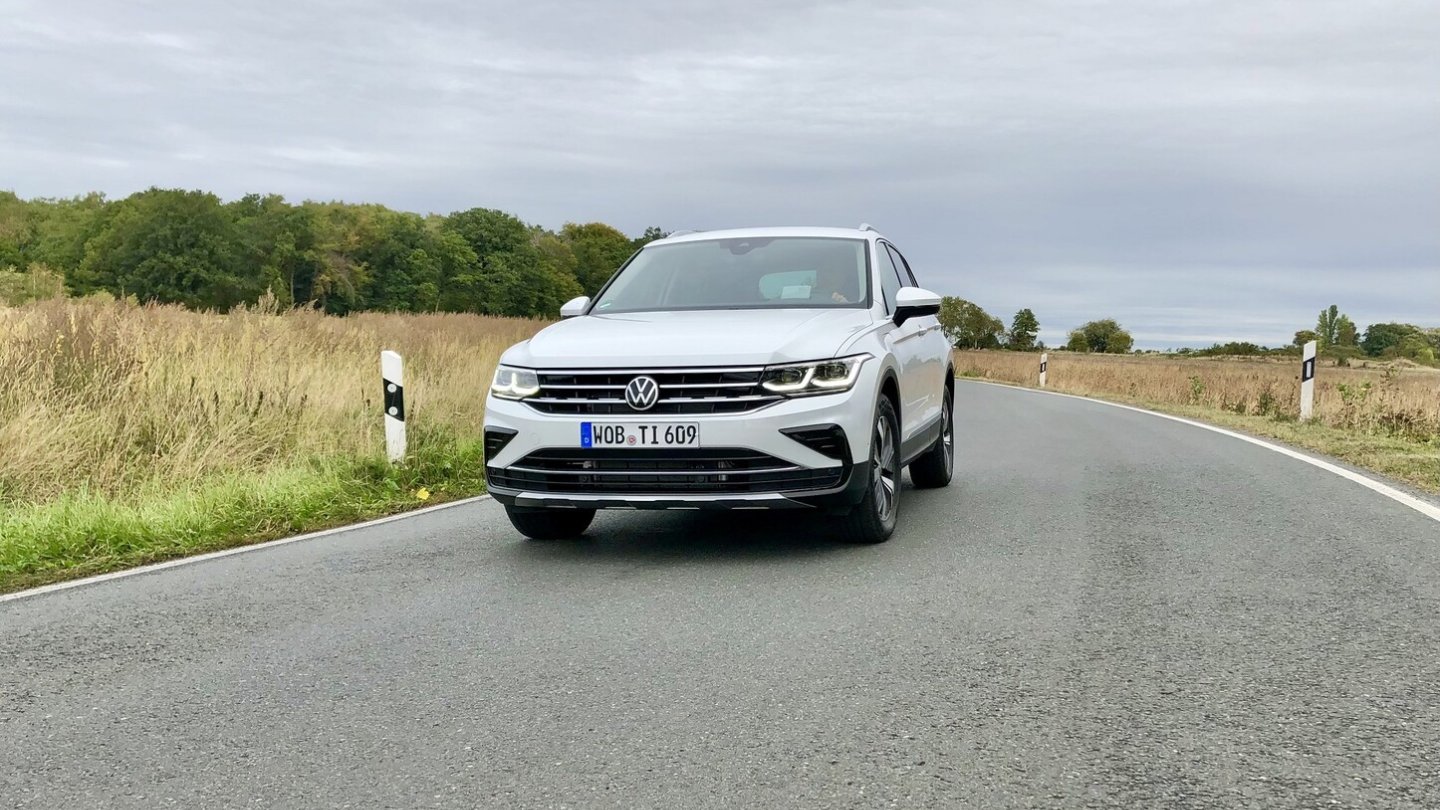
(865, 226)
(682, 232)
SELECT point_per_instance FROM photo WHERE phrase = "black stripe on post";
(1307, 370)
(1043, 364)
(394, 400)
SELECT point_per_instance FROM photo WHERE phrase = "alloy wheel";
(884, 457)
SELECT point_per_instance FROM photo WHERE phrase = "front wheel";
(550, 524)
(935, 467)
(873, 519)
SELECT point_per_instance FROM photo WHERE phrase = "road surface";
(1106, 608)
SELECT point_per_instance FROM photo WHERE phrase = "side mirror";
(913, 302)
(575, 306)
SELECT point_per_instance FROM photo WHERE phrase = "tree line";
(191, 248)
(969, 326)
(1336, 335)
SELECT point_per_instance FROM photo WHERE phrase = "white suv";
(762, 368)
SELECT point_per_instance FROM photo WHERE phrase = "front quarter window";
(742, 273)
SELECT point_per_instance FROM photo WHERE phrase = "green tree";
(1345, 332)
(15, 230)
(518, 272)
(170, 246)
(1024, 328)
(1305, 336)
(651, 234)
(968, 326)
(60, 229)
(1328, 327)
(279, 244)
(36, 283)
(558, 265)
(1102, 336)
(401, 275)
(341, 234)
(189, 248)
(1413, 346)
(1382, 336)
(599, 251)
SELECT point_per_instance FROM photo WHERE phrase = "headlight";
(515, 383)
(818, 377)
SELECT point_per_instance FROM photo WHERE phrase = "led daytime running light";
(515, 383)
(812, 381)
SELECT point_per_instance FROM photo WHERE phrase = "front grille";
(601, 392)
(643, 472)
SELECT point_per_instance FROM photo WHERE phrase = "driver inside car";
(835, 284)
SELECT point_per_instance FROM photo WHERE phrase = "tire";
(934, 469)
(873, 519)
(550, 524)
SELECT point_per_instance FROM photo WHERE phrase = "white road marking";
(1425, 508)
(229, 552)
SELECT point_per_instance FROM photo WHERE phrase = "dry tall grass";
(114, 398)
(1398, 401)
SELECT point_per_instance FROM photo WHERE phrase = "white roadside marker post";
(1044, 365)
(392, 374)
(1307, 382)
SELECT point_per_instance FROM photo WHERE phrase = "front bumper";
(511, 468)
(836, 500)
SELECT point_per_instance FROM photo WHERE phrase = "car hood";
(701, 338)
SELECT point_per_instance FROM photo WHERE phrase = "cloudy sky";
(1202, 171)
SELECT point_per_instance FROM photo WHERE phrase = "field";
(134, 433)
(130, 434)
(1382, 416)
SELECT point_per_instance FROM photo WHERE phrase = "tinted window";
(889, 277)
(904, 267)
(742, 273)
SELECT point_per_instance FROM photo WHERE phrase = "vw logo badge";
(642, 393)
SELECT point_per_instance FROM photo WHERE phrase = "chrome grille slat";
(687, 390)
(653, 371)
(586, 387)
(746, 398)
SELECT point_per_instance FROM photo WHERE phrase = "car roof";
(737, 233)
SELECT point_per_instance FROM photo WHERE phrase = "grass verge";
(81, 534)
(1414, 463)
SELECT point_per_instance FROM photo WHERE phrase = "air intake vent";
(827, 440)
(495, 441)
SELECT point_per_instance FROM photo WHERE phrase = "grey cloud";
(1201, 171)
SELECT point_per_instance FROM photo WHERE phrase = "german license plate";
(629, 434)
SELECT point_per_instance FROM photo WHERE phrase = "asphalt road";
(1105, 609)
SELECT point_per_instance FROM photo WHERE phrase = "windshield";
(742, 273)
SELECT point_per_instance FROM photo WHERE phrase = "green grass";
(79, 535)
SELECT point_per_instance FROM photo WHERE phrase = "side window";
(889, 276)
(903, 266)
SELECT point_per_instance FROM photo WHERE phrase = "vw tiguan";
(764, 368)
